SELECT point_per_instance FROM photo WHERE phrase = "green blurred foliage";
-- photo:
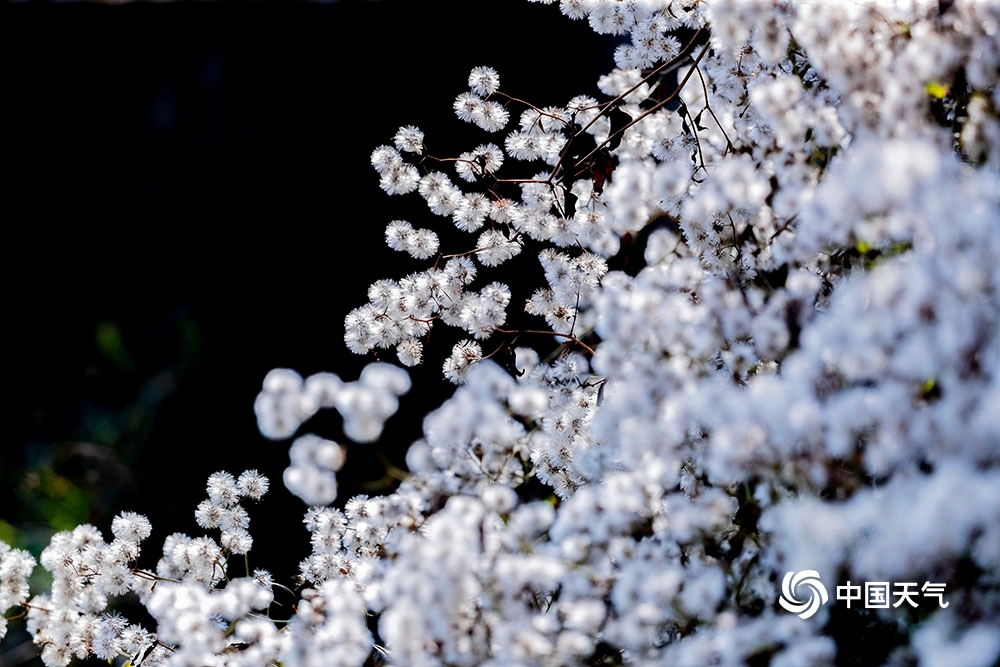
(88, 419)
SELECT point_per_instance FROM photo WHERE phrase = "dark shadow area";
(188, 203)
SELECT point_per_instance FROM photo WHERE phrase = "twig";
(659, 105)
(570, 337)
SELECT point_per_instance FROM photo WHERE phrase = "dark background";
(187, 203)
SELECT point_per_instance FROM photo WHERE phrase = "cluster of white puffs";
(727, 425)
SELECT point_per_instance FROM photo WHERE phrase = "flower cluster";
(222, 509)
(286, 401)
(86, 571)
(770, 289)
(198, 623)
(15, 566)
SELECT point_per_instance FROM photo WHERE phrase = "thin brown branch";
(659, 105)
(704, 88)
(663, 68)
(569, 337)
(531, 106)
(674, 63)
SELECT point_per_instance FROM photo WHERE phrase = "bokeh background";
(187, 203)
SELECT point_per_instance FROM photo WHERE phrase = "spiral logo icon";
(790, 585)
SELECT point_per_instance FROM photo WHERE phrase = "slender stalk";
(659, 105)
(571, 338)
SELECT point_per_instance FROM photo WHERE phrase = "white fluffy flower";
(484, 81)
(131, 527)
(463, 357)
(410, 139)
